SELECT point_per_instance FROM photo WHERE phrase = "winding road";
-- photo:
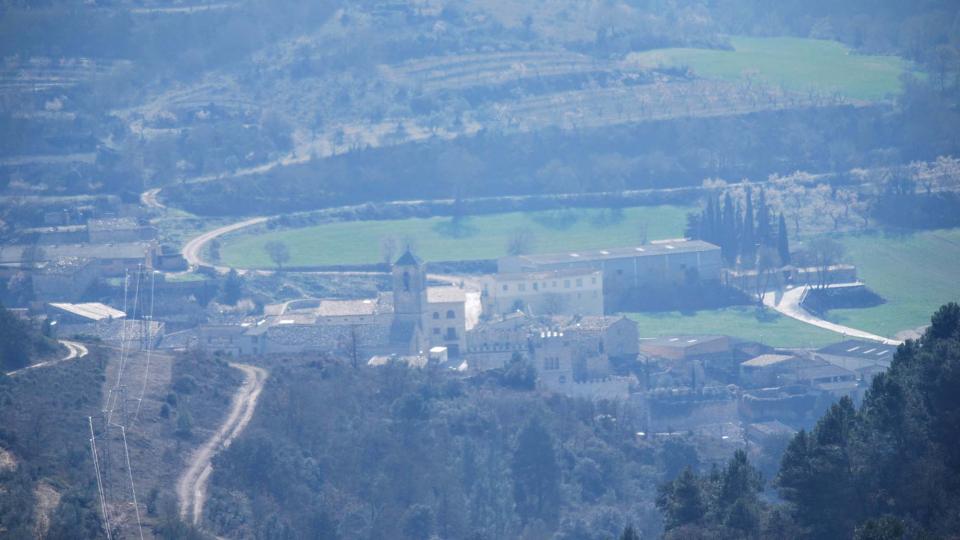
(789, 304)
(191, 251)
(74, 350)
(192, 485)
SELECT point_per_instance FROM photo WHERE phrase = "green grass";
(796, 64)
(916, 274)
(479, 237)
(764, 326)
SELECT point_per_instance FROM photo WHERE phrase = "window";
(593, 280)
(436, 314)
(579, 282)
(563, 379)
(506, 287)
(451, 314)
(551, 363)
(451, 333)
(566, 284)
(522, 287)
(436, 331)
(536, 286)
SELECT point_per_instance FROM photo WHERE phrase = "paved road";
(74, 350)
(789, 305)
(192, 485)
(191, 251)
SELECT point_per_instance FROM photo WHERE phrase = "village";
(549, 317)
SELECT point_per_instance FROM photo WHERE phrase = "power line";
(133, 490)
(96, 469)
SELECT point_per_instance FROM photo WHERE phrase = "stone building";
(410, 320)
(665, 262)
(574, 291)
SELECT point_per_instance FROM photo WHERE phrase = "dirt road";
(74, 350)
(192, 485)
(149, 198)
(789, 304)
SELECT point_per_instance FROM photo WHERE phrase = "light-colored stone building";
(575, 291)
(410, 320)
(664, 262)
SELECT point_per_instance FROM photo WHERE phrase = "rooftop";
(767, 360)
(662, 247)
(854, 348)
(112, 224)
(547, 274)
(444, 295)
(129, 250)
(680, 341)
(589, 322)
(93, 311)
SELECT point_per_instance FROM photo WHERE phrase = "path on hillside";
(74, 350)
(789, 305)
(192, 485)
(149, 198)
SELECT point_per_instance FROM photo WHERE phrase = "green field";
(478, 237)
(764, 326)
(916, 274)
(796, 64)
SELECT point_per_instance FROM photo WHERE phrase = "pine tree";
(682, 500)
(536, 474)
(630, 533)
(783, 242)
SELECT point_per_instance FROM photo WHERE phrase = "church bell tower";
(409, 287)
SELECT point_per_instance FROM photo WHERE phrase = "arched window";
(451, 314)
(436, 314)
(406, 281)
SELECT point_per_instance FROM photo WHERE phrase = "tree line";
(747, 238)
(888, 469)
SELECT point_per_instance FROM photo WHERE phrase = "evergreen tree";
(748, 239)
(682, 500)
(232, 288)
(728, 242)
(783, 242)
(536, 475)
(629, 533)
(764, 226)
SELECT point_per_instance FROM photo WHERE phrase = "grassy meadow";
(475, 237)
(916, 273)
(796, 64)
(745, 322)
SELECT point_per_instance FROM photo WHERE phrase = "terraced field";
(798, 65)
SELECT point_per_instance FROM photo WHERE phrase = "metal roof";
(663, 247)
(766, 360)
(95, 311)
(855, 348)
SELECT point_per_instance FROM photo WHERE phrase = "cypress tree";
(764, 227)
(748, 239)
(783, 243)
(728, 241)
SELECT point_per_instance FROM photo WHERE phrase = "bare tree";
(520, 242)
(278, 251)
(388, 249)
(825, 252)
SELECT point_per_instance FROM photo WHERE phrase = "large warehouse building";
(659, 262)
